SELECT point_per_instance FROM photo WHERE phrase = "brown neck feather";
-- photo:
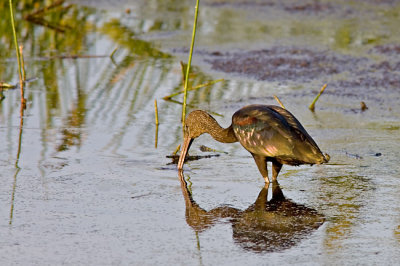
(225, 135)
(201, 122)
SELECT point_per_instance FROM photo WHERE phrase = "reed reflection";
(265, 226)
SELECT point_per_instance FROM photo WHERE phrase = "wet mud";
(284, 64)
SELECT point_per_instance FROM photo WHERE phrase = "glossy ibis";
(268, 132)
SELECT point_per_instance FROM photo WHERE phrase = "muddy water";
(82, 182)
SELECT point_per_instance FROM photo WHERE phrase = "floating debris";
(175, 158)
(353, 155)
(363, 106)
(204, 148)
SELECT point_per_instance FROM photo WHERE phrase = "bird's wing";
(274, 132)
(294, 124)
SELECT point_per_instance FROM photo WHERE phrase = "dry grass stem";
(279, 101)
(177, 149)
(156, 137)
(113, 52)
(4, 85)
(193, 88)
(21, 51)
(156, 111)
(312, 105)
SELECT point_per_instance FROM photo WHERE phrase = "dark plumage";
(269, 133)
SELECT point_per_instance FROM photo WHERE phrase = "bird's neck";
(225, 135)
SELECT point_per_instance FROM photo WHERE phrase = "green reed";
(189, 63)
(17, 49)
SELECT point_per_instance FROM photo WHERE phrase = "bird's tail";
(326, 158)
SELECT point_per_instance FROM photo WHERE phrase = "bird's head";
(196, 123)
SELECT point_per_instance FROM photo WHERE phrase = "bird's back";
(274, 132)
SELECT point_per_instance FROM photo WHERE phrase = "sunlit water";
(87, 185)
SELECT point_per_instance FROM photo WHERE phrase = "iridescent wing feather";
(272, 131)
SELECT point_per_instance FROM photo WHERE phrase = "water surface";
(83, 183)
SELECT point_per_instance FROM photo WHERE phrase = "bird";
(270, 133)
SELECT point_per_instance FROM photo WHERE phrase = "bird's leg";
(276, 167)
(261, 162)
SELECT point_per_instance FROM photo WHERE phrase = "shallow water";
(86, 185)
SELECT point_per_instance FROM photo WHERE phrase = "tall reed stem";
(189, 63)
(21, 82)
(21, 52)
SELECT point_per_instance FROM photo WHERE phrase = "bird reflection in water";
(265, 226)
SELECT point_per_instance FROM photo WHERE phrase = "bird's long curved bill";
(186, 145)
